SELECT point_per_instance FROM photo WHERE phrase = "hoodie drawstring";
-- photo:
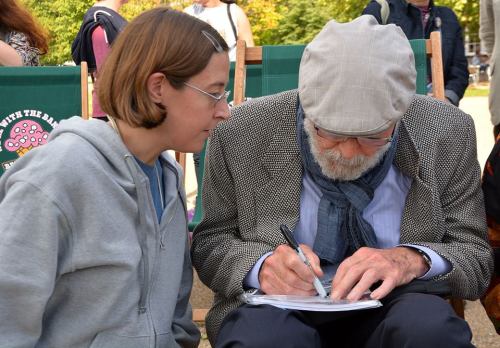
(144, 266)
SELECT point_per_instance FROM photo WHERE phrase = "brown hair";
(14, 17)
(159, 40)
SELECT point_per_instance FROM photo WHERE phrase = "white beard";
(336, 167)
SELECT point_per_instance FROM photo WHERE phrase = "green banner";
(33, 101)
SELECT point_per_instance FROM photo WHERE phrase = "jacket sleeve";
(185, 332)
(456, 73)
(487, 25)
(32, 229)
(464, 241)
(221, 256)
(373, 8)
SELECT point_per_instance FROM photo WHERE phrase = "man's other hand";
(367, 266)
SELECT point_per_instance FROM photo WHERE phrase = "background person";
(418, 18)
(94, 247)
(491, 189)
(22, 39)
(380, 186)
(489, 25)
(101, 25)
(227, 18)
(231, 23)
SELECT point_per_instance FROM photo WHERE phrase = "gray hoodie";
(83, 259)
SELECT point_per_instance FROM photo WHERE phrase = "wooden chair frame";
(84, 84)
(253, 55)
(433, 48)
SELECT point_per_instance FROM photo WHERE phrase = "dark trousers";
(409, 320)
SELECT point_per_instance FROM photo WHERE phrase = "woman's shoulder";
(20, 42)
(189, 10)
(237, 10)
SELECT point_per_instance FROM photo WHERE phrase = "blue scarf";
(341, 226)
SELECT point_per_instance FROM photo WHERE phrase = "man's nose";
(349, 148)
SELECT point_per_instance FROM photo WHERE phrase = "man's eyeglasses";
(363, 141)
(215, 96)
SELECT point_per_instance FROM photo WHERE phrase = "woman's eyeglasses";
(215, 96)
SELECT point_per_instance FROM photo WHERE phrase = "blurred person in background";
(227, 18)
(491, 190)
(101, 25)
(489, 25)
(231, 23)
(418, 18)
(22, 39)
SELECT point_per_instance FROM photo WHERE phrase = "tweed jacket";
(489, 32)
(253, 182)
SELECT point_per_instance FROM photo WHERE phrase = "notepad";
(308, 303)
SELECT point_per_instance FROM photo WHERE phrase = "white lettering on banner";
(7, 165)
(28, 113)
(9, 119)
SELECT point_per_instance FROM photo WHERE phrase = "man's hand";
(283, 273)
(367, 266)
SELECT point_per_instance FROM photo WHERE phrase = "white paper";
(308, 303)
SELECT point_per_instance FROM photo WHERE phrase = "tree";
(273, 22)
(62, 18)
(467, 12)
(300, 21)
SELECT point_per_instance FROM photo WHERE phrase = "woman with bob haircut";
(95, 249)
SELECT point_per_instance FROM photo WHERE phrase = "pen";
(295, 246)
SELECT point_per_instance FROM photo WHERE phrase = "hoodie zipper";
(141, 186)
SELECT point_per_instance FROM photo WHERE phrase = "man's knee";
(420, 320)
(266, 326)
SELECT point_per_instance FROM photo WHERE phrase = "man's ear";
(154, 85)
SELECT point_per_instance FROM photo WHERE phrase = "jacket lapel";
(279, 197)
(407, 160)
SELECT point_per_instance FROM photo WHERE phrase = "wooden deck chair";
(280, 68)
(33, 101)
(424, 51)
(431, 49)
(251, 56)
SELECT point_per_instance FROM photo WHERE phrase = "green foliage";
(134, 8)
(273, 22)
(62, 18)
(299, 21)
(467, 12)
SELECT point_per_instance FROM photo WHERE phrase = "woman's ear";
(154, 84)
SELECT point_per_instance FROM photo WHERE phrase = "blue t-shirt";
(155, 176)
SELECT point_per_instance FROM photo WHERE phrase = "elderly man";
(380, 187)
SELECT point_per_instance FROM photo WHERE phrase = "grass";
(479, 90)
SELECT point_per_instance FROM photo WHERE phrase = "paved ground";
(484, 335)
